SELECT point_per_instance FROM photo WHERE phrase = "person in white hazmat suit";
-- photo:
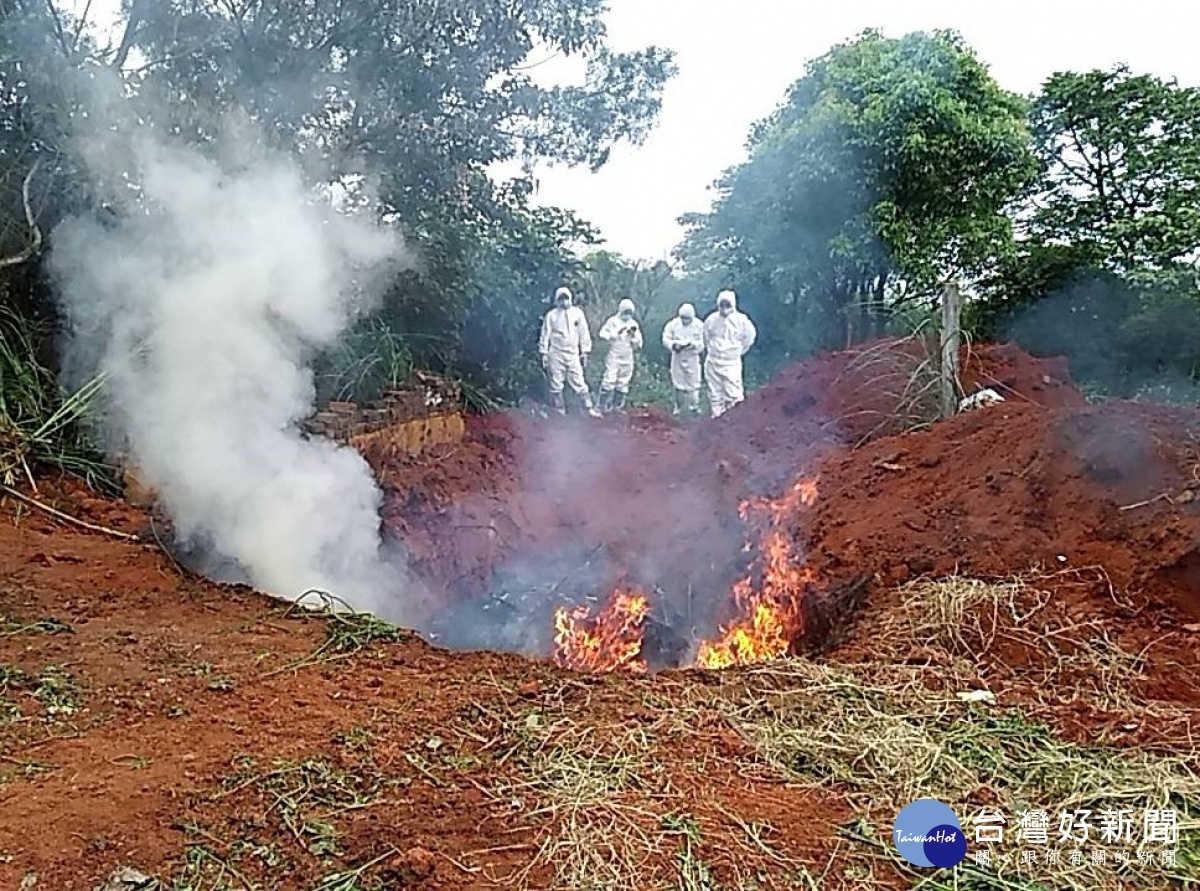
(564, 345)
(683, 337)
(625, 339)
(728, 336)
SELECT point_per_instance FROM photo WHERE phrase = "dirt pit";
(777, 522)
(210, 737)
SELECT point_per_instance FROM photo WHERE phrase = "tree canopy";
(1120, 156)
(888, 165)
(418, 100)
(1105, 267)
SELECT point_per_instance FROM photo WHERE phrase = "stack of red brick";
(425, 396)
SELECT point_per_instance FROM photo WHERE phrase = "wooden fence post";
(951, 341)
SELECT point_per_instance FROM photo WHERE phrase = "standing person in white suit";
(728, 336)
(624, 335)
(564, 345)
(683, 337)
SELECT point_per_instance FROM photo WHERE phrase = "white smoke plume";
(202, 297)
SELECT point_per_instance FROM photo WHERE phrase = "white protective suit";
(625, 338)
(564, 345)
(683, 337)
(726, 339)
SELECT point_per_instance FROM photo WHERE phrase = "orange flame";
(610, 641)
(772, 610)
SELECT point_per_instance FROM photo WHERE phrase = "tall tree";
(416, 99)
(425, 89)
(889, 165)
(1105, 271)
(1120, 156)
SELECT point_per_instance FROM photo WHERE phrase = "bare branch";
(127, 39)
(59, 31)
(36, 244)
(87, 10)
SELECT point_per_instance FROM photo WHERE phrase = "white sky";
(736, 59)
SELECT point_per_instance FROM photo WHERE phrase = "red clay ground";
(1042, 480)
(188, 729)
(180, 696)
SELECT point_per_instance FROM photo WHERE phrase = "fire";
(761, 638)
(772, 609)
(806, 491)
(803, 493)
(609, 641)
(769, 601)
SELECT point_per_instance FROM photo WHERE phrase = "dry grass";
(895, 728)
(595, 793)
(306, 797)
(588, 790)
(903, 375)
(348, 632)
(288, 820)
(885, 738)
(879, 735)
(1018, 635)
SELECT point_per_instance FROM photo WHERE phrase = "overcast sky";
(736, 59)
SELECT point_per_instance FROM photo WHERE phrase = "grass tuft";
(1016, 632)
(885, 739)
(54, 691)
(592, 835)
(348, 632)
(305, 797)
(40, 424)
(903, 374)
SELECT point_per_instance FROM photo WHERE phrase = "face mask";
(725, 309)
(563, 303)
(686, 321)
(626, 316)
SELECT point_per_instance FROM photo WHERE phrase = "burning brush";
(611, 641)
(769, 601)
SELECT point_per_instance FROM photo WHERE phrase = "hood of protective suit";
(687, 311)
(626, 305)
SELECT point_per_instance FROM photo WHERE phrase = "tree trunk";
(867, 327)
(879, 311)
(951, 339)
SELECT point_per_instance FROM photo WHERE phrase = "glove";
(678, 347)
(545, 360)
(583, 359)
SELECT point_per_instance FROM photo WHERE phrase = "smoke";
(1120, 338)
(201, 292)
(595, 509)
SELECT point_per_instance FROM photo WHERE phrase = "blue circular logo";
(927, 833)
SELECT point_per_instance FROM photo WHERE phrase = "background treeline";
(1071, 217)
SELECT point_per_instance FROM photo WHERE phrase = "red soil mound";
(1001, 490)
(528, 513)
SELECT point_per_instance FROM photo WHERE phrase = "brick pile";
(425, 397)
